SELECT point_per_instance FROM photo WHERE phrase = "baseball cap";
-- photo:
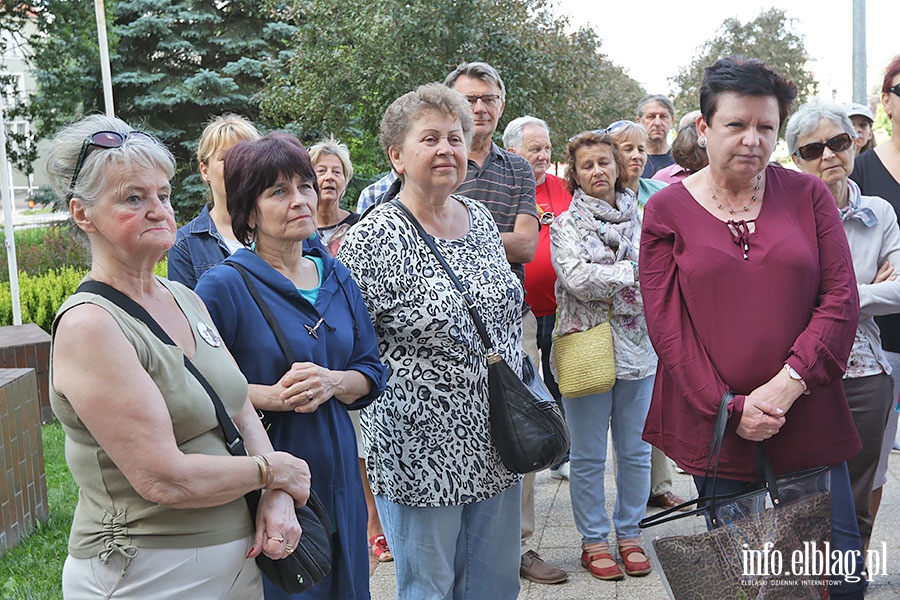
(860, 110)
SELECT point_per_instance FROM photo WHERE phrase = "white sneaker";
(561, 473)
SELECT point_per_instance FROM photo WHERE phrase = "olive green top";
(111, 516)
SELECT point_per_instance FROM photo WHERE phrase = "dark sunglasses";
(101, 139)
(838, 143)
(895, 90)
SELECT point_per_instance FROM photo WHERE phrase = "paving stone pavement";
(557, 541)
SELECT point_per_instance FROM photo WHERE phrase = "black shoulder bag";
(311, 561)
(526, 425)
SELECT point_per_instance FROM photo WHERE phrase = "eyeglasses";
(578, 136)
(101, 139)
(489, 100)
(838, 143)
(895, 89)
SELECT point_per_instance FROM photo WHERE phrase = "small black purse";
(526, 425)
(311, 561)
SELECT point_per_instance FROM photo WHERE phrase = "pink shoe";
(380, 549)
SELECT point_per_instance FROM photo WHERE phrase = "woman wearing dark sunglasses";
(747, 282)
(159, 492)
(820, 138)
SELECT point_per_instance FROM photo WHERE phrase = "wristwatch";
(793, 374)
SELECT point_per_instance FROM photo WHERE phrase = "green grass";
(33, 569)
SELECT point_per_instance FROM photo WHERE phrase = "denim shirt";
(199, 247)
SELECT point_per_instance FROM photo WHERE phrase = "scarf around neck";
(614, 225)
(853, 210)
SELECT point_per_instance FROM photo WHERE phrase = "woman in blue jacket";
(334, 367)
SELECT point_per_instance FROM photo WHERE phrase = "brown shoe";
(533, 568)
(666, 500)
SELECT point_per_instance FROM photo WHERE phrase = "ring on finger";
(309, 395)
(277, 539)
(288, 548)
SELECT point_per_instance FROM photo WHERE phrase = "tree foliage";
(353, 58)
(769, 37)
(175, 63)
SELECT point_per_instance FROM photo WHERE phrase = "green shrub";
(43, 249)
(41, 296)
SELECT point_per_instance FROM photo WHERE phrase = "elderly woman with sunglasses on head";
(747, 282)
(594, 249)
(159, 491)
(329, 363)
(820, 138)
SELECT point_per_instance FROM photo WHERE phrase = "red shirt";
(540, 279)
(719, 322)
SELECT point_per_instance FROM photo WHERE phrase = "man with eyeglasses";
(504, 183)
(657, 114)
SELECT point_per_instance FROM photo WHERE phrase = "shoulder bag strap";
(233, 438)
(265, 310)
(470, 302)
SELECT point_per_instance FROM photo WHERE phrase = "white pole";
(6, 192)
(105, 71)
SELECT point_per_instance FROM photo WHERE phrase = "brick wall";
(28, 347)
(23, 486)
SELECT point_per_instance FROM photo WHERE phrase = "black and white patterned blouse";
(427, 437)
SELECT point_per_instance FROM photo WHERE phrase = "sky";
(680, 27)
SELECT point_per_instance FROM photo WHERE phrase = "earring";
(701, 141)
(253, 240)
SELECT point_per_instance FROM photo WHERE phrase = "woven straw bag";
(585, 363)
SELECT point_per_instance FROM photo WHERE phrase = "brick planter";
(23, 486)
(28, 347)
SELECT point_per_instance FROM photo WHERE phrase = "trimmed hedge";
(42, 295)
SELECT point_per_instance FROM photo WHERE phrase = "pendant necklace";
(746, 208)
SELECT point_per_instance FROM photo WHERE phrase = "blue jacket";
(324, 438)
(199, 246)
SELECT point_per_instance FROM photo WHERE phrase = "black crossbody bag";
(526, 425)
(311, 561)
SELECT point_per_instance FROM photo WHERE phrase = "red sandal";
(611, 573)
(635, 568)
(380, 549)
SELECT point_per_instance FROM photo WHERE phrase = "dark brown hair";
(252, 166)
(744, 77)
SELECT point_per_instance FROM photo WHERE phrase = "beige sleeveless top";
(111, 516)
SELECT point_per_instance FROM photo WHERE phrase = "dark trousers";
(844, 531)
(545, 326)
(870, 400)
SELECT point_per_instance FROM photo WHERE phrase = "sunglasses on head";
(614, 127)
(838, 143)
(101, 139)
(895, 90)
(578, 136)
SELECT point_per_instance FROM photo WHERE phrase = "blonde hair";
(330, 146)
(224, 131)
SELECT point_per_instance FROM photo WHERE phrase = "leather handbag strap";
(265, 310)
(467, 297)
(233, 438)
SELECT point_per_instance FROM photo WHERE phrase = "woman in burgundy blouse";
(748, 286)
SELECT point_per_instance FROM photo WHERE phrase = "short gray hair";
(515, 130)
(477, 70)
(399, 116)
(138, 151)
(658, 98)
(806, 119)
(330, 146)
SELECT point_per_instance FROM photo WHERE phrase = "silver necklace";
(746, 208)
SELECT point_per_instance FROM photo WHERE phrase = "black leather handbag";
(311, 561)
(526, 426)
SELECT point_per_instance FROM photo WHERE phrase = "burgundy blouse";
(719, 322)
